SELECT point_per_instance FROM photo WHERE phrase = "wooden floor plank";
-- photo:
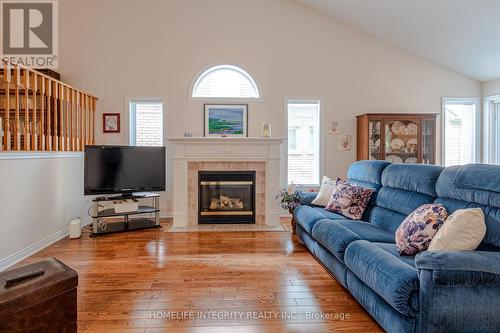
(153, 281)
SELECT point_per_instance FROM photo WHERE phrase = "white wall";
(119, 48)
(39, 196)
(491, 88)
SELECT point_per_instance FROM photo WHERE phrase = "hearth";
(226, 197)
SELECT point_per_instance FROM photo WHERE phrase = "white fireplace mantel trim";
(203, 140)
(182, 150)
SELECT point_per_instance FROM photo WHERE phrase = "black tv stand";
(106, 220)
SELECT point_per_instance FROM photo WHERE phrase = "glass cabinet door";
(374, 133)
(401, 141)
(428, 141)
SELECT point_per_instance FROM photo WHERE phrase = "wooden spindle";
(17, 121)
(62, 127)
(70, 109)
(56, 118)
(49, 114)
(42, 114)
(7, 78)
(26, 111)
(93, 120)
(84, 97)
(67, 117)
(34, 127)
(87, 118)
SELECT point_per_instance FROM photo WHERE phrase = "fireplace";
(226, 197)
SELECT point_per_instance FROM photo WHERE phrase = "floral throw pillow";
(415, 233)
(349, 200)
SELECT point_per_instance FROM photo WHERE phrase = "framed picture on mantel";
(226, 120)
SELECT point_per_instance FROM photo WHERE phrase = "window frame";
(491, 154)
(321, 125)
(142, 98)
(207, 69)
(477, 128)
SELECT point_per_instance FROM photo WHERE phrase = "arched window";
(225, 81)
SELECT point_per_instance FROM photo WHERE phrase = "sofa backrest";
(471, 186)
(367, 174)
(405, 187)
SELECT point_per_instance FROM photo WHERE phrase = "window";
(292, 138)
(146, 122)
(225, 81)
(492, 133)
(303, 142)
(460, 132)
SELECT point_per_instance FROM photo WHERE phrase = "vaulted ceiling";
(463, 35)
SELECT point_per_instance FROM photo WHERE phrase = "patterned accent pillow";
(415, 233)
(349, 200)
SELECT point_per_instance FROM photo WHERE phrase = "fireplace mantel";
(203, 140)
(182, 151)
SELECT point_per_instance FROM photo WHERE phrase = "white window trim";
(321, 137)
(126, 123)
(477, 101)
(488, 153)
(201, 73)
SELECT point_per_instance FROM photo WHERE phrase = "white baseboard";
(34, 248)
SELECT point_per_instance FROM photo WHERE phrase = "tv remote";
(23, 276)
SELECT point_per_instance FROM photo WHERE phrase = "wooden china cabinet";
(397, 138)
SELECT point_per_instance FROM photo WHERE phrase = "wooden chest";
(46, 303)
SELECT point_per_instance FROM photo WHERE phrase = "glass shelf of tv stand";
(111, 212)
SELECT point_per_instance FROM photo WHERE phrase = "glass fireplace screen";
(226, 197)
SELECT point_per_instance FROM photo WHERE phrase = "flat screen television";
(123, 169)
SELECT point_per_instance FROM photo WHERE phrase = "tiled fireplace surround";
(189, 155)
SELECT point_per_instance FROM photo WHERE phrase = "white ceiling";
(463, 35)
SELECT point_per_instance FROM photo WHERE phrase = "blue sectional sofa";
(432, 291)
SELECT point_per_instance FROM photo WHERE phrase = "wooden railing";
(40, 113)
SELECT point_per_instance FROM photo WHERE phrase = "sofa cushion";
(478, 176)
(307, 216)
(416, 232)
(393, 250)
(367, 174)
(456, 192)
(420, 178)
(349, 200)
(390, 277)
(337, 235)
(405, 187)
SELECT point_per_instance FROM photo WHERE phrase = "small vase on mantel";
(266, 130)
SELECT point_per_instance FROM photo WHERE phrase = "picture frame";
(226, 120)
(111, 123)
(344, 142)
(334, 127)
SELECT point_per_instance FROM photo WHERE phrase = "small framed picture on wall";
(334, 127)
(344, 142)
(111, 122)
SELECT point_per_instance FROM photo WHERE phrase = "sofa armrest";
(307, 197)
(459, 291)
(474, 261)
(461, 268)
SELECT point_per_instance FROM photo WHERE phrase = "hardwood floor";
(153, 281)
